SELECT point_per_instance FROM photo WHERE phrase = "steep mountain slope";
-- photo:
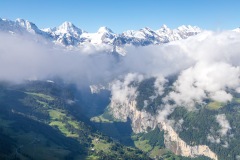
(29, 26)
(209, 129)
(41, 120)
(38, 117)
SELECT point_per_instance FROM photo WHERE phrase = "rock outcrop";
(173, 142)
(142, 120)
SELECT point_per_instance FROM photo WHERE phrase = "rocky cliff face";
(142, 120)
(173, 142)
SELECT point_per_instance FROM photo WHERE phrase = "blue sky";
(121, 15)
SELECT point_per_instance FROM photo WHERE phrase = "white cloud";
(22, 58)
(221, 96)
(213, 139)
(122, 91)
(163, 113)
(159, 84)
(224, 124)
(206, 65)
(203, 80)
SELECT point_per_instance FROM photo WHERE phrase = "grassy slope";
(45, 127)
(215, 105)
(41, 95)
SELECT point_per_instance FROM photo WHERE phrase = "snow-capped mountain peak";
(164, 28)
(188, 28)
(104, 35)
(237, 29)
(68, 35)
(140, 34)
(68, 27)
(104, 29)
(147, 30)
(186, 31)
(11, 26)
(30, 27)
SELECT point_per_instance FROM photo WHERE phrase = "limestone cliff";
(141, 120)
(173, 142)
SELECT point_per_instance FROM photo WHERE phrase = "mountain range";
(70, 36)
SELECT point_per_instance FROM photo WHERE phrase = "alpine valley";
(169, 94)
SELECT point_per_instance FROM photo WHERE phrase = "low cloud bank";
(206, 65)
(21, 59)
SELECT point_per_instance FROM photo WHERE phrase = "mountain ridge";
(69, 35)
